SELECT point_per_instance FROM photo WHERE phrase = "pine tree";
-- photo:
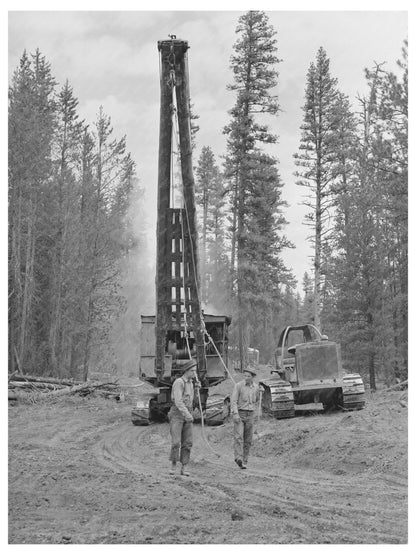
(62, 228)
(317, 160)
(210, 198)
(393, 155)
(255, 76)
(113, 170)
(207, 175)
(31, 128)
(369, 312)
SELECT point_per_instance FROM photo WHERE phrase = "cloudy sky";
(110, 58)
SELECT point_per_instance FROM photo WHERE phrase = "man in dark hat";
(244, 400)
(181, 419)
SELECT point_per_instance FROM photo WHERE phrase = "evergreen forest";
(79, 270)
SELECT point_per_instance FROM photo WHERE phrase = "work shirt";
(244, 397)
(183, 396)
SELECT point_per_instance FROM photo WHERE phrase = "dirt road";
(80, 472)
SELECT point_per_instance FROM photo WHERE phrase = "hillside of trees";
(77, 227)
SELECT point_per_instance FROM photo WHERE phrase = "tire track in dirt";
(144, 451)
(308, 504)
(291, 500)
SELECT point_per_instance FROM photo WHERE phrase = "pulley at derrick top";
(172, 53)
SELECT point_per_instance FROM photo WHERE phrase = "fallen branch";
(128, 386)
(105, 384)
(108, 393)
(84, 389)
(397, 385)
(35, 390)
(63, 391)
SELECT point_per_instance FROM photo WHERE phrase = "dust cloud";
(137, 289)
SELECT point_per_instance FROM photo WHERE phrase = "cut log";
(41, 379)
(34, 385)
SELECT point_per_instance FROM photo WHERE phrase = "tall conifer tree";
(318, 157)
(31, 129)
(252, 176)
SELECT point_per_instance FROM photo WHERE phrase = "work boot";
(172, 470)
(184, 472)
(239, 462)
(243, 465)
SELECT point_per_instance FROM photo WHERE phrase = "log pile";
(35, 388)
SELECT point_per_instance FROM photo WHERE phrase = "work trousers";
(181, 433)
(243, 434)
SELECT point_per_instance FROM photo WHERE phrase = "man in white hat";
(244, 399)
(181, 419)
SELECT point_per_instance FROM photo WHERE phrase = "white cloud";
(53, 25)
(98, 57)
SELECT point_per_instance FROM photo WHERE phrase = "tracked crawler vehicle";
(309, 375)
(179, 330)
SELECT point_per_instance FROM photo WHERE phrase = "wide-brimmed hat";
(191, 365)
(251, 370)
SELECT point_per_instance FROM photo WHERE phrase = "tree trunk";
(15, 289)
(204, 281)
(55, 334)
(87, 346)
(317, 266)
(234, 235)
(28, 285)
(371, 354)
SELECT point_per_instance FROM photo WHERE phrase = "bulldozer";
(179, 330)
(308, 375)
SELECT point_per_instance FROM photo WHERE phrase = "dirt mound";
(370, 441)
